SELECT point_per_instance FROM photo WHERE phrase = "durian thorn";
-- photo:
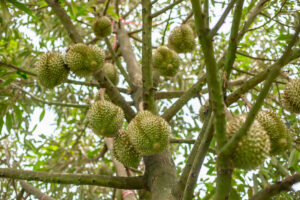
(141, 106)
(102, 93)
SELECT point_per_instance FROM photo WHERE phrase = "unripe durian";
(105, 118)
(204, 110)
(149, 133)
(111, 72)
(182, 39)
(84, 60)
(279, 135)
(51, 70)
(192, 24)
(102, 27)
(166, 61)
(124, 151)
(290, 97)
(253, 148)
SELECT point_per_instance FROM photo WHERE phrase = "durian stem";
(76, 179)
(277, 187)
(166, 8)
(102, 94)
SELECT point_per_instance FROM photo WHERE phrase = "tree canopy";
(233, 58)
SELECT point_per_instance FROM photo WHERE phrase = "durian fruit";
(182, 39)
(105, 170)
(148, 133)
(204, 110)
(51, 70)
(111, 72)
(253, 148)
(279, 135)
(290, 97)
(105, 118)
(191, 23)
(124, 151)
(102, 27)
(84, 60)
(166, 61)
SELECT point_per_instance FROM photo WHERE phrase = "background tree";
(246, 52)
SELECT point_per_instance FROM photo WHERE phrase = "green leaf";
(42, 115)
(8, 122)
(113, 14)
(21, 6)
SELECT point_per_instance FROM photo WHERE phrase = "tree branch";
(193, 91)
(118, 63)
(148, 90)
(114, 94)
(34, 191)
(179, 188)
(222, 19)
(233, 41)
(276, 188)
(166, 8)
(50, 102)
(198, 160)
(76, 179)
(66, 21)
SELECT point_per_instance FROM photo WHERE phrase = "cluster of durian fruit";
(267, 136)
(166, 60)
(83, 60)
(146, 134)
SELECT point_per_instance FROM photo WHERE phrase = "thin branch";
(222, 19)
(106, 7)
(50, 102)
(118, 63)
(179, 188)
(233, 41)
(76, 179)
(182, 141)
(17, 68)
(166, 8)
(34, 191)
(66, 21)
(198, 161)
(193, 91)
(277, 187)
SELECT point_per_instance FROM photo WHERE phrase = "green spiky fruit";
(290, 97)
(279, 135)
(253, 148)
(124, 151)
(84, 60)
(111, 72)
(105, 170)
(166, 61)
(192, 24)
(102, 27)
(149, 133)
(51, 70)
(182, 39)
(204, 110)
(105, 118)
